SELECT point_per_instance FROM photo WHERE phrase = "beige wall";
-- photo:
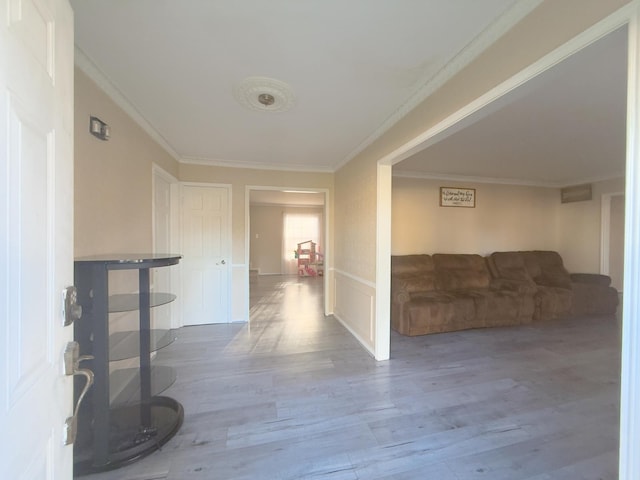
(265, 253)
(579, 229)
(353, 282)
(506, 217)
(112, 178)
(266, 234)
(355, 219)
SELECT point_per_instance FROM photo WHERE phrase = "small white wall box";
(578, 193)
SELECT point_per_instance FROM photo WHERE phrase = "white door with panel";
(206, 251)
(36, 242)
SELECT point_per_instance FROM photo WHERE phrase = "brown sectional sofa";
(448, 292)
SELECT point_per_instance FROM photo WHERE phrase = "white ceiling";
(566, 126)
(355, 67)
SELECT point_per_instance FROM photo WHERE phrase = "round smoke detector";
(264, 94)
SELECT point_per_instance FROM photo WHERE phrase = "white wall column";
(383, 263)
(630, 375)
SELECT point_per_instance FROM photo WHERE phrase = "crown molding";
(602, 178)
(479, 44)
(314, 206)
(255, 165)
(84, 63)
(504, 181)
(472, 179)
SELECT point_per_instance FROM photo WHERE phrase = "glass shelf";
(128, 440)
(127, 382)
(129, 302)
(123, 345)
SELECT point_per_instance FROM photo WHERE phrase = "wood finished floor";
(292, 395)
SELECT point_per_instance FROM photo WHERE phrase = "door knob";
(72, 359)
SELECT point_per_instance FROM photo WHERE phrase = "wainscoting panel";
(239, 293)
(354, 307)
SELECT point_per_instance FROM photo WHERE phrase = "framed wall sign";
(457, 197)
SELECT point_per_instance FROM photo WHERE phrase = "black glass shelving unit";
(115, 430)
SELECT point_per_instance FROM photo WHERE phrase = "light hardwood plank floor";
(292, 395)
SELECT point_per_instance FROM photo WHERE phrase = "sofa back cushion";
(414, 284)
(509, 266)
(546, 268)
(461, 271)
(413, 273)
(411, 264)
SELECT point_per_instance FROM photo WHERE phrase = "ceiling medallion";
(264, 94)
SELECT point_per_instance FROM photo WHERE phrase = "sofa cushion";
(509, 266)
(552, 303)
(411, 265)
(594, 299)
(427, 315)
(546, 268)
(412, 273)
(413, 284)
(461, 272)
(591, 278)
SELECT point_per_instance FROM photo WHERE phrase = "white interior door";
(36, 242)
(205, 246)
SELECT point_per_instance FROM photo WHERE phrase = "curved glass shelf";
(129, 302)
(128, 440)
(129, 261)
(127, 382)
(123, 345)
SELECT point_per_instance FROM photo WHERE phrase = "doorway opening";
(287, 239)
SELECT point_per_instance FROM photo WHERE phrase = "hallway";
(293, 396)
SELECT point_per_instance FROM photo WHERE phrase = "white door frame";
(328, 272)
(605, 230)
(630, 378)
(629, 459)
(174, 235)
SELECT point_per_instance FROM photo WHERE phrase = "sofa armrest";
(401, 297)
(591, 278)
(594, 298)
